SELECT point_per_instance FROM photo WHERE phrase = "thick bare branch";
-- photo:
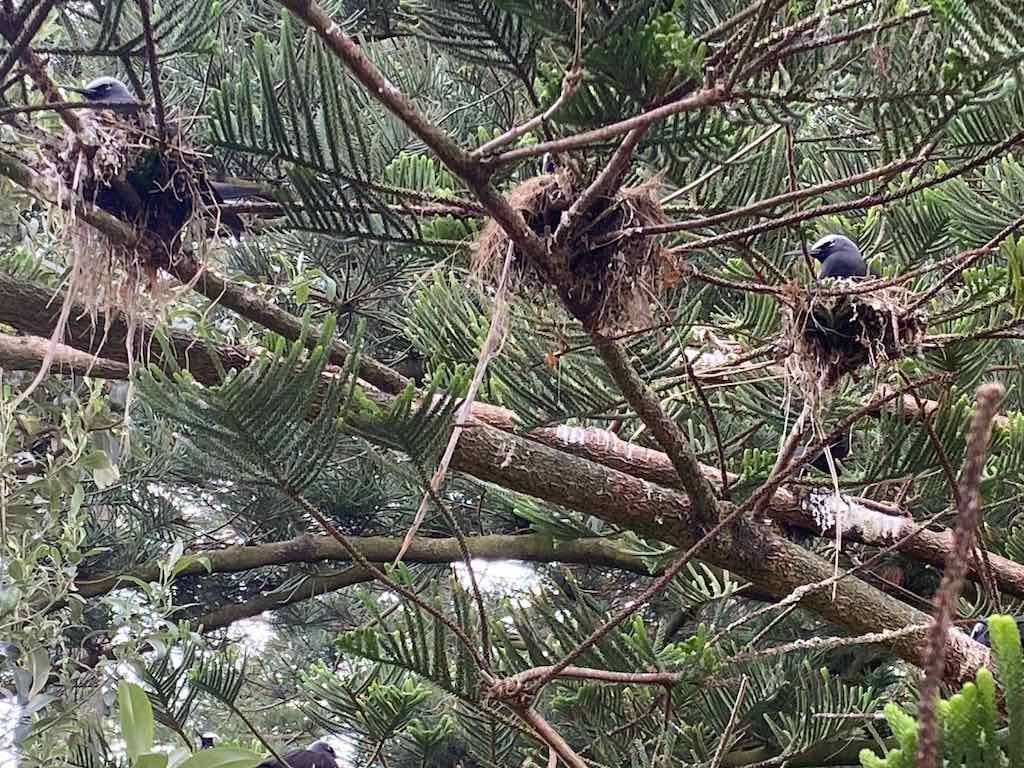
(308, 588)
(751, 549)
(864, 520)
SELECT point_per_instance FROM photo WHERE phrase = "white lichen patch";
(836, 512)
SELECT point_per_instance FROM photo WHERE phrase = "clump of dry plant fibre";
(835, 335)
(607, 277)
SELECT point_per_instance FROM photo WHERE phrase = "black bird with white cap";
(840, 257)
(108, 91)
(979, 632)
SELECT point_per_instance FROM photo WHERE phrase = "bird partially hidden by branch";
(151, 191)
(979, 632)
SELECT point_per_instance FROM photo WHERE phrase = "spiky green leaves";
(969, 719)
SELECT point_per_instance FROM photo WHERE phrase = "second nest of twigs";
(834, 335)
(606, 277)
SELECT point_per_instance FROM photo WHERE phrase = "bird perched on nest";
(840, 257)
(108, 91)
(320, 755)
(136, 192)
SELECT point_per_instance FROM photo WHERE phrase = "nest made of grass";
(116, 157)
(608, 282)
(834, 335)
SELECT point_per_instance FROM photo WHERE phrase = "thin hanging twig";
(154, 71)
(495, 337)
(988, 397)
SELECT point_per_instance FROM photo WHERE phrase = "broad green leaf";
(40, 661)
(223, 757)
(151, 760)
(136, 718)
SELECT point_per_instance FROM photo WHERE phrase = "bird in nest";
(839, 257)
(148, 191)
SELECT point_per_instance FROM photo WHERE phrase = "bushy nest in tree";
(836, 335)
(606, 277)
(157, 187)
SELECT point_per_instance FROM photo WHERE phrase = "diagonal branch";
(864, 521)
(308, 588)
(606, 182)
(467, 167)
(35, 67)
(706, 97)
(668, 434)
(969, 516)
(862, 203)
(216, 288)
(751, 550)
(154, 71)
(20, 43)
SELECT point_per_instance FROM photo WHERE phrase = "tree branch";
(467, 167)
(969, 516)
(751, 549)
(665, 431)
(705, 97)
(535, 548)
(308, 588)
(864, 521)
(218, 289)
(20, 37)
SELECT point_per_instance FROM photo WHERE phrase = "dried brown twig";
(989, 396)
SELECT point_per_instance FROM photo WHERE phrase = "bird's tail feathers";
(240, 190)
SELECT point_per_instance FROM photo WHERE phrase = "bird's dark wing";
(240, 190)
(843, 265)
(839, 449)
(303, 758)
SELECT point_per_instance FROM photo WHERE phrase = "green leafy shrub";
(969, 722)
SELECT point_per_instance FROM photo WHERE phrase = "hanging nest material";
(836, 335)
(606, 280)
(158, 188)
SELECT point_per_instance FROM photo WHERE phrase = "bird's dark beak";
(74, 88)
